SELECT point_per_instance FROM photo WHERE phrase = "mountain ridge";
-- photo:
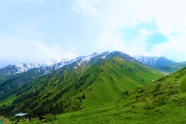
(51, 65)
(103, 78)
(154, 60)
(161, 63)
(54, 64)
(20, 79)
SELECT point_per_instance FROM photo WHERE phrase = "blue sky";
(34, 31)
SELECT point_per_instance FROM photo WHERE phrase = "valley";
(92, 62)
(109, 87)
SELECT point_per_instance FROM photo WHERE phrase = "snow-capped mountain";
(20, 68)
(46, 67)
(154, 61)
(13, 69)
(22, 74)
(50, 66)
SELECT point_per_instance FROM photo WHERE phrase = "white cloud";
(69, 55)
(174, 49)
(169, 16)
(114, 41)
(32, 52)
(71, 48)
(47, 52)
(53, 52)
(100, 22)
(85, 7)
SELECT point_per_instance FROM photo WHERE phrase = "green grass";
(165, 104)
(175, 77)
(123, 113)
(112, 81)
(160, 103)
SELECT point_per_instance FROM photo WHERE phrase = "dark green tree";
(126, 93)
(83, 97)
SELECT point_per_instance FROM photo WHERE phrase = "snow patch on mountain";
(47, 66)
(154, 61)
(53, 62)
(147, 59)
(50, 66)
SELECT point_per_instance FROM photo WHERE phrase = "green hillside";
(116, 76)
(156, 104)
(75, 86)
(175, 77)
(163, 103)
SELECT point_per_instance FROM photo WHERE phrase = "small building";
(22, 116)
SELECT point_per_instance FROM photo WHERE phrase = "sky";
(34, 31)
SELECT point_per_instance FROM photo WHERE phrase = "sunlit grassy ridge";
(175, 77)
(127, 110)
(114, 77)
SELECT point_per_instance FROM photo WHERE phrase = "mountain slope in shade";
(89, 81)
(161, 63)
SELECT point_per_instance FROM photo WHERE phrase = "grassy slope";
(114, 77)
(162, 103)
(104, 82)
(175, 77)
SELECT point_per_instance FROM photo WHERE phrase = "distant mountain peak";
(154, 60)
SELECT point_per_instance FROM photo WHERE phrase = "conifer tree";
(83, 97)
